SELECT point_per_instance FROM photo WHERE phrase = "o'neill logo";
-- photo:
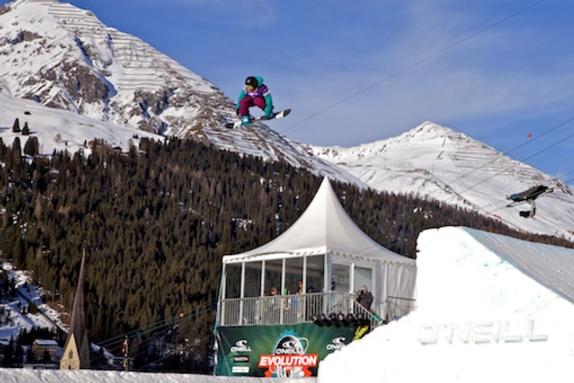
(336, 344)
(241, 346)
(289, 358)
(291, 345)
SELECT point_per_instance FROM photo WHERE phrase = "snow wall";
(489, 308)
(86, 376)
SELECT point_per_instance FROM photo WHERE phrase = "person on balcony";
(271, 307)
(365, 298)
(298, 301)
(300, 289)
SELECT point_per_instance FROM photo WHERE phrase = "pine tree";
(32, 145)
(26, 129)
(16, 126)
(16, 153)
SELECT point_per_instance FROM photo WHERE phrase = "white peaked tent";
(326, 229)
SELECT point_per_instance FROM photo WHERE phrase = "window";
(293, 274)
(363, 277)
(233, 280)
(340, 278)
(273, 272)
(252, 279)
(315, 273)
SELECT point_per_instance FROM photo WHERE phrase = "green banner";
(279, 351)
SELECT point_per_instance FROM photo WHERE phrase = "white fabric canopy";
(324, 228)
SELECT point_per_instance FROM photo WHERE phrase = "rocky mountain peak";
(64, 57)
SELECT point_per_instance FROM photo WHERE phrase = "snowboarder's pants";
(247, 102)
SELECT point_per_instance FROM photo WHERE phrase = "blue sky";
(511, 80)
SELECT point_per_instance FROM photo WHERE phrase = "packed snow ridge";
(86, 376)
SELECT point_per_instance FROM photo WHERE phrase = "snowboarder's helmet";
(252, 81)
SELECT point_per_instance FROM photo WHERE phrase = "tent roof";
(325, 227)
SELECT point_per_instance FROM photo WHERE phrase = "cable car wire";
(418, 63)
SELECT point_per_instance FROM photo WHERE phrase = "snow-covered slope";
(489, 309)
(435, 161)
(86, 376)
(64, 57)
(61, 129)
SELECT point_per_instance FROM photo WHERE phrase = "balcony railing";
(289, 309)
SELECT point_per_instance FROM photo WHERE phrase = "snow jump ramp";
(489, 308)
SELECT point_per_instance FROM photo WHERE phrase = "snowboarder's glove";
(237, 111)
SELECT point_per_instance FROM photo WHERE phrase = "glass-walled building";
(317, 267)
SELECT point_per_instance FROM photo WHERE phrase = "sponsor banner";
(278, 351)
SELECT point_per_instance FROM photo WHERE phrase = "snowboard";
(278, 115)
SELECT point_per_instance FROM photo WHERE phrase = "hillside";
(156, 221)
(62, 130)
(64, 57)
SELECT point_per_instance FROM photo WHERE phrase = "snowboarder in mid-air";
(255, 93)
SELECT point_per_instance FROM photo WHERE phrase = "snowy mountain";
(87, 80)
(431, 160)
(65, 58)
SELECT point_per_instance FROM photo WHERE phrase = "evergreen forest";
(156, 221)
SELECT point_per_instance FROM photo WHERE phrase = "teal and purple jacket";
(262, 91)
